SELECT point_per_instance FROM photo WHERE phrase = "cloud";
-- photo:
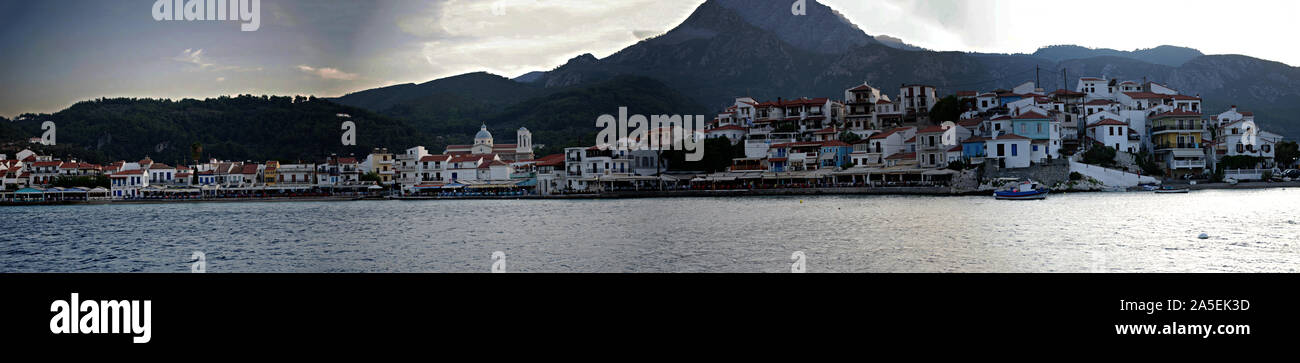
(195, 58)
(514, 36)
(328, 73)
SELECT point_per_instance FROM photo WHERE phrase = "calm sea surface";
(1250, 231)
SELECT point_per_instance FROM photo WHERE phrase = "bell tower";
(525, 141)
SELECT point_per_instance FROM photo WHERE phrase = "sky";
(57, 53)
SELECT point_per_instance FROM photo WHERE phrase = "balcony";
(1188, 164)
(1170, 146)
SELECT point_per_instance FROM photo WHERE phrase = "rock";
(1203, 236)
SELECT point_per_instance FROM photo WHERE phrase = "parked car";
(1292, 173)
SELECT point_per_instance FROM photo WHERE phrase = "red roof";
(435, 158)
(1099, 103)
(833, 143)
(901, 156)
(1144, 95)
(1031, 115)
(1177, 113)
(955, 148)
(828, 130)
(887, 133)
(726, 128)
(861, 88)
(551, 160)
(1108, 122)
(1065, 92)
(1000, 137)
(931, 129)
(46, 163)
(464, 158)
(249, 169)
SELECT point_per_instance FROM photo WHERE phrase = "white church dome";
(483, 133)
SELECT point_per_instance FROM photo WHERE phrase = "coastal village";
(867, 141)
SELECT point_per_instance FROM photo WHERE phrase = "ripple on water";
(1112, 232)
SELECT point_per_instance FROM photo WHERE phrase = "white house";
(1112, 133)
(884, 144)
(1010, 150)
(126, 184)
(1096, 88)
(733, 133)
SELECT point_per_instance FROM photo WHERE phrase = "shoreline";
(914, 191)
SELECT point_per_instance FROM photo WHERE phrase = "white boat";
(1170, 190)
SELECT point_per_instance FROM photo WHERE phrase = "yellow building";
(271, 174)
(1177, 139)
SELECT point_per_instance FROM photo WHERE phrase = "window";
(1014, 150)
(1241, 148)
(1265, 148)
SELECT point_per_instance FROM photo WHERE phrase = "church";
(522, 149)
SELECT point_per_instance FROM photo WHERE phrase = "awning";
(939, 172)
(1188, 154)
(527, 183)
(487, 186)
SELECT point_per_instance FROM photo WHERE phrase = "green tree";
(718, 153)
(849, 137)
(370, 177)
(1286, 153)
(947, 109)
(1100, 155)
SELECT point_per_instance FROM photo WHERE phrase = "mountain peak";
(585, 58)
(821, 30)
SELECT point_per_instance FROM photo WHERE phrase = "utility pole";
(1065, 81)
(1036, 84)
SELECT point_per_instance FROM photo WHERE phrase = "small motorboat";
(1027, 190)
(1171, 190)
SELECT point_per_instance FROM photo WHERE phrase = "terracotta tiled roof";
(551, 160)
(901, 156)
(887, 133)
(1108, 122)
(432, 158)
(726, 128)
(1177, 113)
(1000, 137)
(1031, 115)
(931, 129)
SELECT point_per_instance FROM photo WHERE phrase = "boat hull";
(1033, 195)
(1173, 191)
